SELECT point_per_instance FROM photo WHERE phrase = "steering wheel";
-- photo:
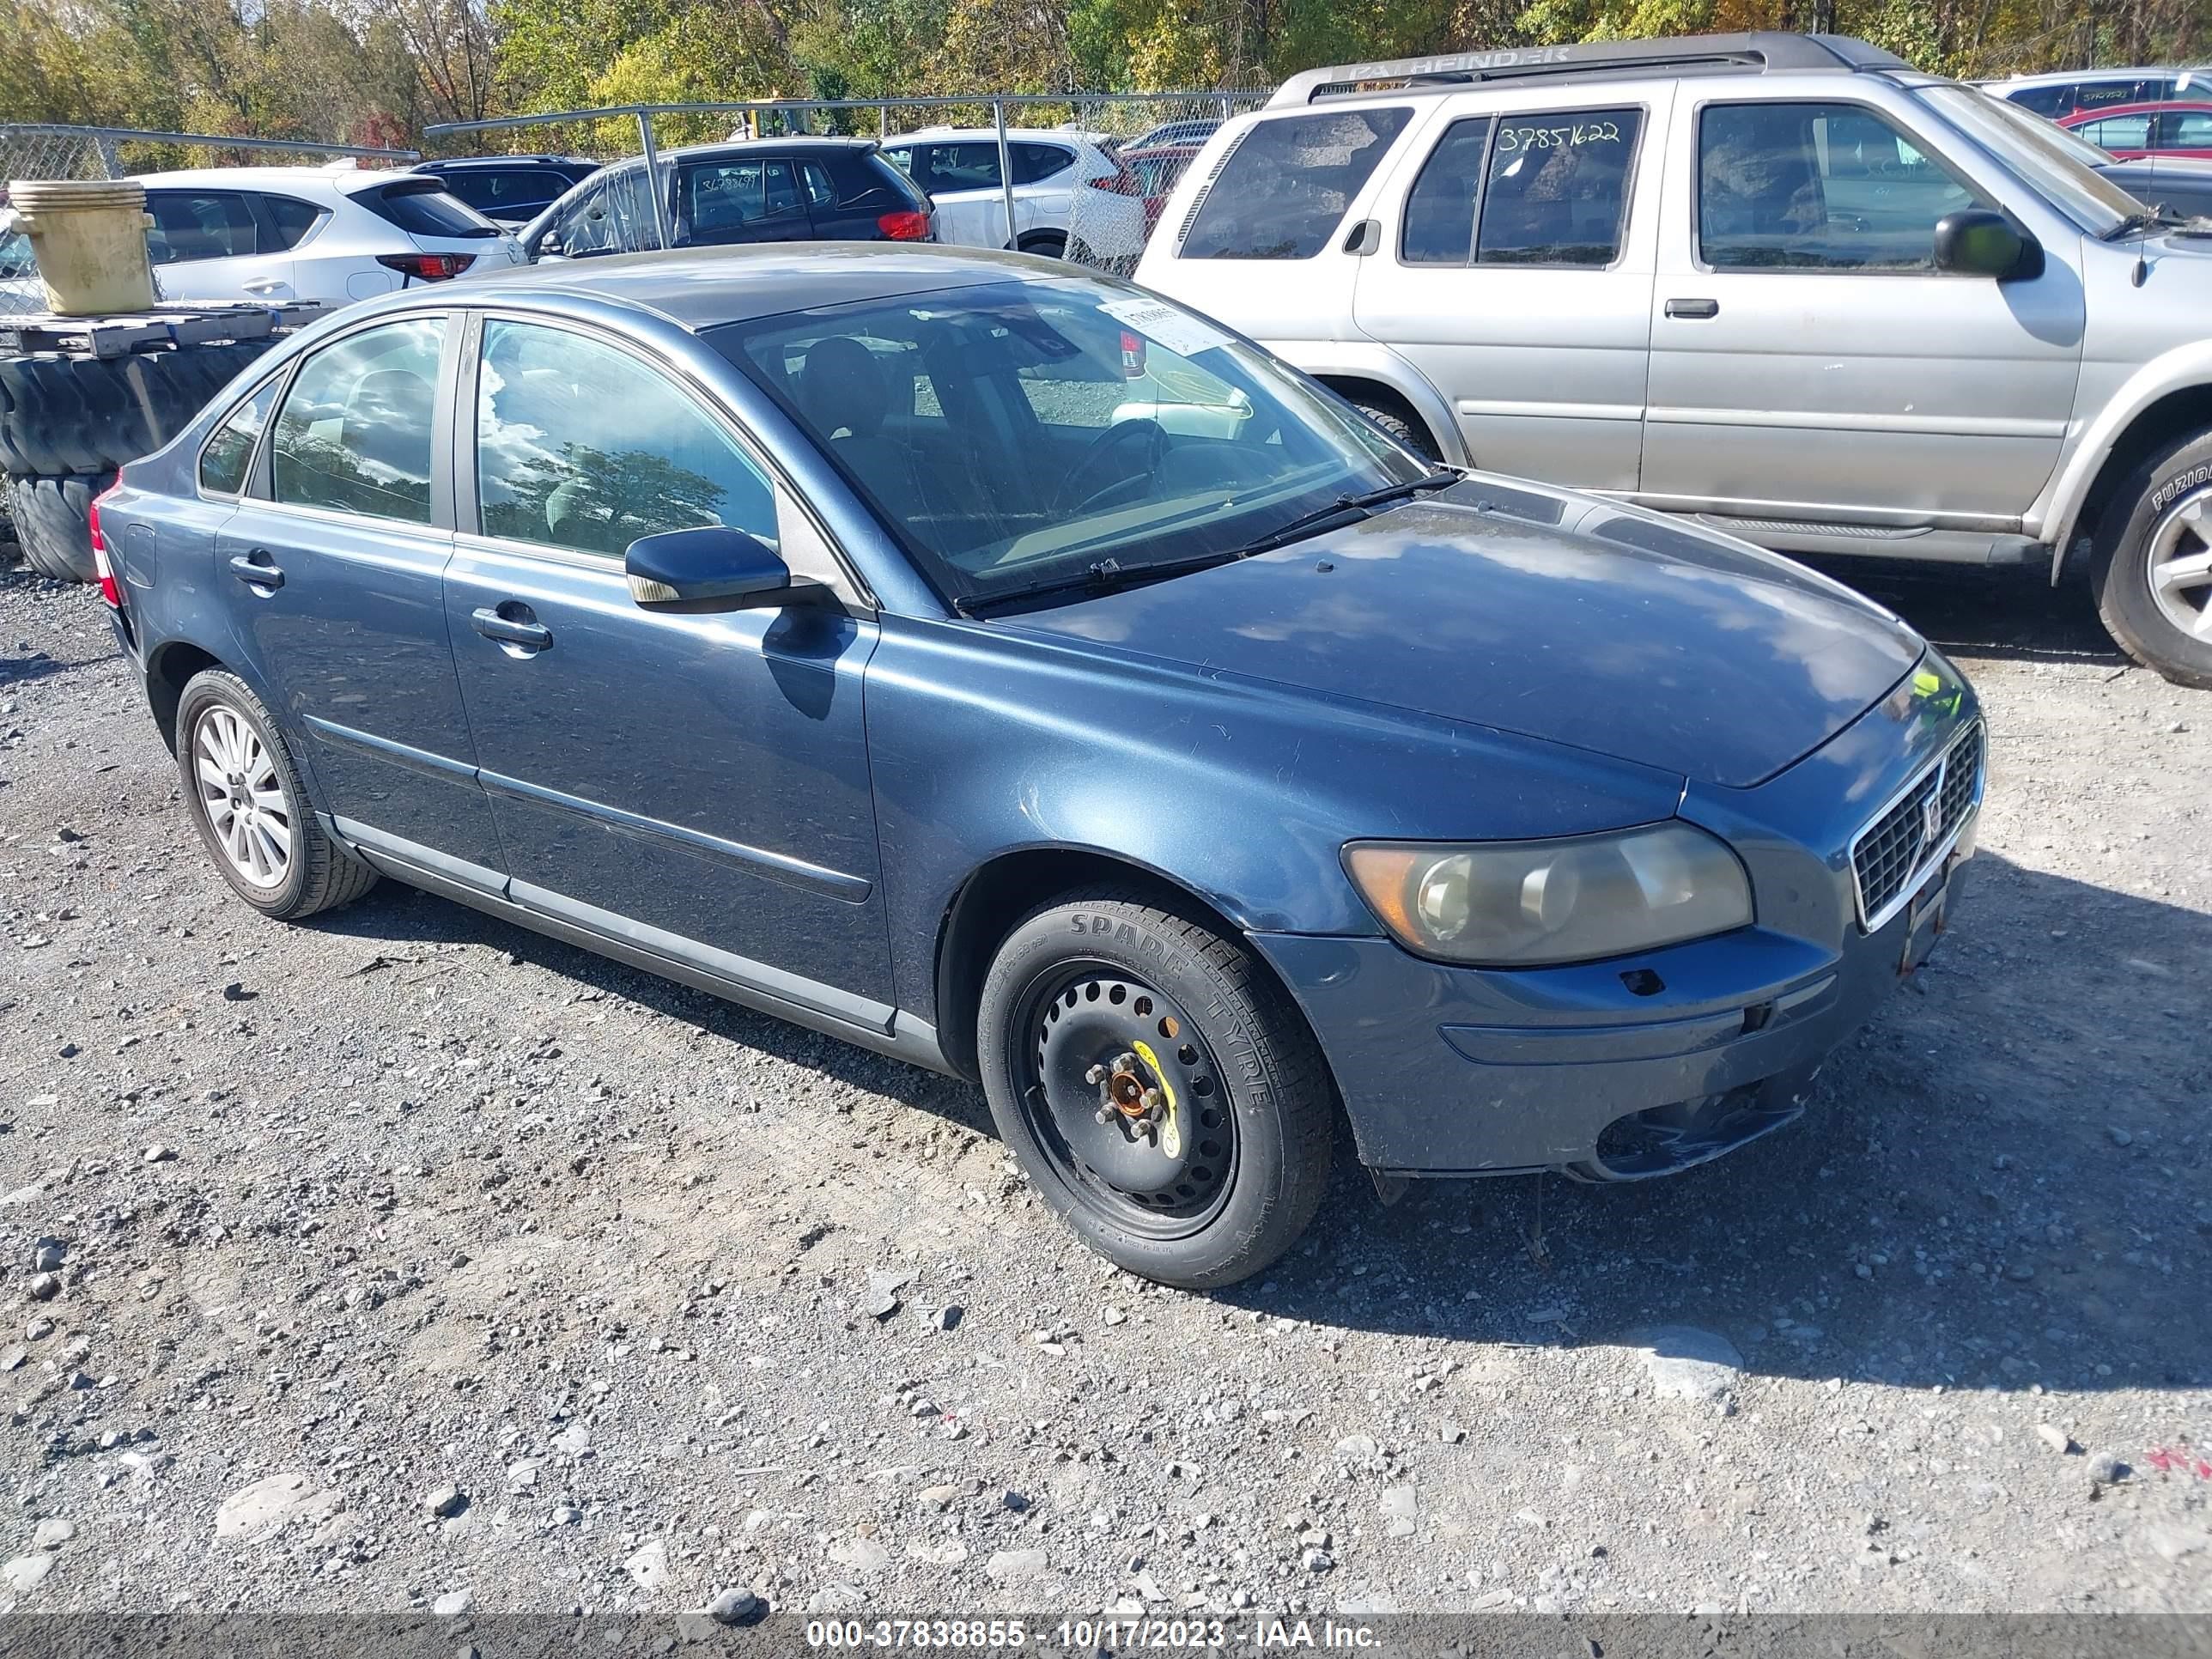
(1122, 434)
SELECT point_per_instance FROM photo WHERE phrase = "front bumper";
(1619, 1069)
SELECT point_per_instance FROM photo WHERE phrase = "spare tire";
(53, 521)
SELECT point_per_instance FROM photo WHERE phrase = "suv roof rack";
(1755, 53)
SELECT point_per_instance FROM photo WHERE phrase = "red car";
(1158, 168)
(2177, 127)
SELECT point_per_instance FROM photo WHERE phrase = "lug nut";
(1103, 1115)
(1097, 1074)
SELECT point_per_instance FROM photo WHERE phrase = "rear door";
(695, 784)
(961, 176)
(1513, 270)
(752, 199)
(335, 566)
(209, 244)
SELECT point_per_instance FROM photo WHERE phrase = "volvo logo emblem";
(1931, 818)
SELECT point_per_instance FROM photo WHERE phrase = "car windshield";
(1013, 434)
(2040, 152)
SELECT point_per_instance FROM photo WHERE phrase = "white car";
(2067, 91)
(329, 236)
(1067, 191)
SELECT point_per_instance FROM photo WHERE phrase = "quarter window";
(1556, 190)
(1818, 187)
(224, 462)
(292, 218)
(1439, 228)
(354, 434)
(1288, 184)
(582, 446)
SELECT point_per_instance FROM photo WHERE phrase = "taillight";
(427, 267)
(110, 589)
(1133, 354)
(907, 227)
(1117, 183)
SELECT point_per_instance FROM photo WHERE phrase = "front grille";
(1893, 853)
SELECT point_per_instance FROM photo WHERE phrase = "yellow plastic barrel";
(89, 238)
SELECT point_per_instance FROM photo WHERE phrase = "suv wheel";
(243, 793)
(1165, 1098)
(1408, 432)
(2155, 577)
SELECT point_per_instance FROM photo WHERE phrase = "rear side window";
(199, 224)
(963, 166)
(2118, 133)
(292, 217)
(426, 209)
(716, 198)
(224, 462)
(2185, 130)
(1439, 228)
(1556, 189)
(1034, 162)
(1288, 183)
(354, 434)
(859, 182)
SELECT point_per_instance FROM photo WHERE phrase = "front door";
(1810, 364)
(694, 784)
(1514, 272)
(338, 556)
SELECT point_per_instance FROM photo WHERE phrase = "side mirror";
(1977, 242)
(712, 567)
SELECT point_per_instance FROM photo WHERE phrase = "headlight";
(1527, 903)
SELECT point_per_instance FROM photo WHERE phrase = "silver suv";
(1785, 285)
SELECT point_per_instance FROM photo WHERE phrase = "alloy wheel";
(2181, 565)
(242, 797)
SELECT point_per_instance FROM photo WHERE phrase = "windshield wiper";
(1102, 576)
(1346, 509)
(2131, 224)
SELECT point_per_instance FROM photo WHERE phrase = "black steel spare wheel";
(1165, 1098)
(1124, 1093)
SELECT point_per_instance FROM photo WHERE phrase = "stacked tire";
(68, 421)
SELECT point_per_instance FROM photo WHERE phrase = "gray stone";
(269, 1505)
(648, 1567)
(2120, 1137)
(1686, 1363)
(157, 1153)
(13, 1357)
(44, 1287)
(574, 1441)
(2106, 1470)
(732, 1606)
(1316, 1560)
(2055, 1437)
(884, 1285)
(27, 1573)
(1401, 1509)
(1014, 1565)
(447, 1499)
(1359, 1448)
(453, 1603)
(2171, 1543)
(860, 1554)
(53, 1533)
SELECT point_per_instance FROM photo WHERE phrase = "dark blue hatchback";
(1007, 670)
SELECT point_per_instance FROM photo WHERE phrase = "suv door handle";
(1693, 307)
(256, 569)
(526, 631)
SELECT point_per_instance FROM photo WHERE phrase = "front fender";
(1369, 360)
(2054, 518)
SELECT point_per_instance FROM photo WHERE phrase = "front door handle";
(256, 569)
(524, 630)
(1693, 307)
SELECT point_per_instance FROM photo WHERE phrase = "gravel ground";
(406, 1256)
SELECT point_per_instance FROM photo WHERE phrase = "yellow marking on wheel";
(1171, 1131)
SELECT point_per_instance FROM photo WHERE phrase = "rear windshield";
(426, 208)
(1288, 183)
(864, 181)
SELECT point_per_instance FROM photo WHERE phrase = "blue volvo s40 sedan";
(1005, 668)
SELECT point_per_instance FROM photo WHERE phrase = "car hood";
(1705, 657)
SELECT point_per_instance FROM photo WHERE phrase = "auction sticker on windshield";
(1164, 325)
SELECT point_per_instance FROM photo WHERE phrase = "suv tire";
(1406, 430)
(1231, 1170)
(2149, 528)
(229, 751)
(53, 522)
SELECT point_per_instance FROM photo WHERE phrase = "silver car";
(1785, 285)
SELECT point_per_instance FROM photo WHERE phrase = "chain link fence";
(1080, 175)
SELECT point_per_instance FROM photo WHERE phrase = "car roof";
(2068, 77)
(344, 181)
(454, 162)
(1763, 52)
(1014, 135)
(705, 288)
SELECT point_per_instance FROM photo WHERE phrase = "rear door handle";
(530, 634)
(255, 570)
(1693, 307)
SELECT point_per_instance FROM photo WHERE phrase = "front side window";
(1017, 433)
(2187, 129)
(1288, 184)
(1439, 227)
(1818, 187)
(189, 225)
(1556, 189)
(229, 453)
(354, 434)
(582, 446)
